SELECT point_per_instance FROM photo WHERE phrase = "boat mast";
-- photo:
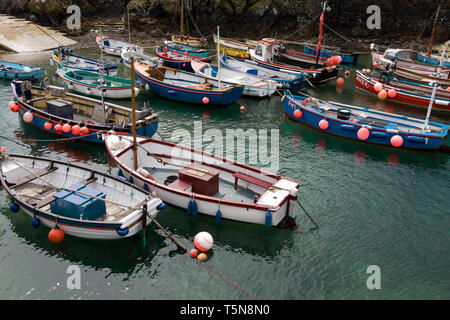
(435, 85)
(432, 32)
(129, 30)
(133, 104)
(218, 56)
(102, 80)
(181, 22)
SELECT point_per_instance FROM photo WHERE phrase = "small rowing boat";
(329, 51)
(96, 85)
(190, 41)
(12, 70)
(234, 48)
(292, 81)
(51, 108)
(114, 47)
(63, 57)
(183, 48)
(178, 60)
(205, 183)
(365, 125)
(184, 86)
(81, 202)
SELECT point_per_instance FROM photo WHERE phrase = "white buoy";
(203, 241)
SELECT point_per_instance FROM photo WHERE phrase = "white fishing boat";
(127, 53)
(80, 201)
(114, 47)
(204, 183)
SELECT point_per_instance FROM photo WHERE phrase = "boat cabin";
(267, 49)
(401, 54)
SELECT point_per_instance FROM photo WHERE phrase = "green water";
(375, 206)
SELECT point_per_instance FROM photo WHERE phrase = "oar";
(311, 84)
(179, 245)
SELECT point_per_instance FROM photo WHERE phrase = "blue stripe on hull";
(336, 128)
(350, 59)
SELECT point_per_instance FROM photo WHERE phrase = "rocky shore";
(403, 23)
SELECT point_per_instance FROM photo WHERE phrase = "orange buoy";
(76, 130)
(242, 108)
(202, 257)
(382, 95)
(84, 131)
(56, 235)
(340, 81)
(193, 253)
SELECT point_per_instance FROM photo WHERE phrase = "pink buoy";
(76, 130)
(448, 88)
(203, 241)
(28, 116)
(323, 124)
(66, 128)
(338, 59)
(2, 149)
(11, 103)
(205, 100)
(392, 93)
(396, 79)
(376, 64)
(298, 113)
(397, 141)
(378, 87)
(193, 253)
(363, 133)
(48, 125)
(347, 74)
(242, 108)
(184, 65)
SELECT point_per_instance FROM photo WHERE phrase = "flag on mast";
(320, 34)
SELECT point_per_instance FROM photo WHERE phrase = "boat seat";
(180, 185)
(250, 179)
(31, 177)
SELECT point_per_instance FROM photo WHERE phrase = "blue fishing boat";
(67, 115)
(184, 86)
(365, 125)
(290, 80)
(433, 60)
(11, 71)
(328, 52)
(177, 60)
(63, 57)
(183, 48)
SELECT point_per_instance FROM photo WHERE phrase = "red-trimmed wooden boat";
(367, 84)
(80, 201)
(265, 54)
(178, 60)
(206, 184)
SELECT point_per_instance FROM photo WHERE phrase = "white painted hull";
(248, 212)
(108, 93)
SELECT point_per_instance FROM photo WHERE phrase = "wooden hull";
(242, 211)
(318, 76)
(190, 41)
(103, 229)
(403, 96)
(184, 87)
(146, 126)
(382, 126)
(347, 58)
(17, 71)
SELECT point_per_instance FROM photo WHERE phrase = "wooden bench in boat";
(253, 180)
(31, 177)
(180, 185)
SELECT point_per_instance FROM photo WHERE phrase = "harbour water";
(374, 205)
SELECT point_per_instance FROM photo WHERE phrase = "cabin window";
(403, 55)
(258, 50)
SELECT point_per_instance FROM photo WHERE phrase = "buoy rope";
(306, 212)
(167, 233)
(53, 140)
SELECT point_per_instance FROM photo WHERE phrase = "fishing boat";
(365, 125)
(80, 201)
(205, 183)
(198, 42)
(253, 85)
(443, 79)
(265, 55)
(12, 70)
(183, 48)
(234, 48)
(184, 86)
(51, 108)
(178, 60)
(412, 86)
(433, 60)
(63, 57)
(295, 58)
(285, 79)
(114, 47)
(127, 53)
(94, 84)
(329, 51)
(405, 60)
(411, 97)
